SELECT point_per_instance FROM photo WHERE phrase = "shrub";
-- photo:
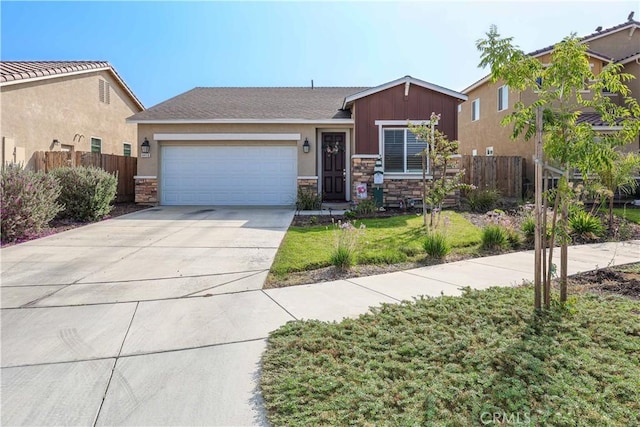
(436, 245)
(514, 238)
(346, 239)
(308, 201)
(586, 225)
(528, 228)
(27, 202)
(483, 200)
(87, 192)
(365, 207)
(494, 237)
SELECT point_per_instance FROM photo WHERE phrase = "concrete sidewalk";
(195, 360)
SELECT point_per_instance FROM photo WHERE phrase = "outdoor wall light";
(145, 147)
(306, 147)
(55, 142)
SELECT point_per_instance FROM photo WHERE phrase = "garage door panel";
(231, 175)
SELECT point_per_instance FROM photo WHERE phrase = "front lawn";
(384, 241)
(630, 214)
(461, 361)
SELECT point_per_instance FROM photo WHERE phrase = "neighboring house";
(64, 106)
(480, 131)
(257, 146)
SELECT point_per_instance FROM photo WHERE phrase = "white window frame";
(404, 154)
(91, 143)
(475, 110)
(504, 89)
(459, 108)
(489, 151)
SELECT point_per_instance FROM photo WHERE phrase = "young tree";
(553, 118)
(439, 153)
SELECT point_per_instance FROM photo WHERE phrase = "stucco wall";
(307, 162)
(33, 114)
(617, 45)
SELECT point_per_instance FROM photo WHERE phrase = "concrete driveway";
(111, 323)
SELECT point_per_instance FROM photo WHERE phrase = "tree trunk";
(564, 249)
(424, 187)
(611, 212)
(538, 212)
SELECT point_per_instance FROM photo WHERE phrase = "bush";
(483, 200)
(365, 207)
(308, 201)
(436, 245)
(346, 240)
(87, 192)
(586, 225)
(528, 228)
(494, 237)
(27, 202)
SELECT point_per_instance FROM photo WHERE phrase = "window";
(104, 91)
(96, 145)
(401, 151)
(503, 98)
(475, 110)
(489, 151)
(127, 149)
(459, 108)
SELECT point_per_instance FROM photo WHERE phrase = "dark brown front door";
(333, 166)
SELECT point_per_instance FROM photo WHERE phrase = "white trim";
(504, 98)
(604, 34)
(399, 175)
(145, 177)
(243, 121)
(606, 128)
(407, 80)
(629, 59)
(473, 110)
(307, 177)
(226, 136)
(365, 156)
(402, 122)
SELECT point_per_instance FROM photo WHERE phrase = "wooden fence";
(502, 173)
(125, 167)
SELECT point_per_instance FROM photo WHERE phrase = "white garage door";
(217, 175)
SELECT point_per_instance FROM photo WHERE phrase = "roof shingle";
(253, 103)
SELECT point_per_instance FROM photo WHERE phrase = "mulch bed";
(616, 280)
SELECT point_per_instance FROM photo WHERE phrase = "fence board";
(124, 167)
(502, 173)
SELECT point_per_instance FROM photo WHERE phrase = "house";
(480, 131)
(257, 146)
(64, 106)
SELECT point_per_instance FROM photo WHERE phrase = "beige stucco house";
(64, 105)
(480, 131)
(257, 146)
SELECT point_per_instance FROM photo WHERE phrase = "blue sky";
(162, 49)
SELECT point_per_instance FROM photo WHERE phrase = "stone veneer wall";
(147, 190)
(309, 185)
(393, 189)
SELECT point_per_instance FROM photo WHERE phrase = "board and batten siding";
(391, 104)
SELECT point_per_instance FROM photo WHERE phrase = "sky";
(162, 49)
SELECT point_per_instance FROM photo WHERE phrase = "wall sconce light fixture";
(306, 147)
(145, 147)
(56, 142)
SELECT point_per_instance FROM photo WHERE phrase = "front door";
(334, 172)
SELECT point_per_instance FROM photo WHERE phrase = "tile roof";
(626, 58)
(252, 103)
(595, 35)
(594, 119)
(14, 71)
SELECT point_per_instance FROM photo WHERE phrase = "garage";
(228, 175)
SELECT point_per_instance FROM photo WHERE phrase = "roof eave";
(240, 121)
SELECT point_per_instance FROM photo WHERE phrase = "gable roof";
(15, 72)
(406, 80)
(592, 53)
(251, 104)
(595, 120)
(629, 58)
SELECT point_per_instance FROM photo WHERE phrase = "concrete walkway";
(195, 359)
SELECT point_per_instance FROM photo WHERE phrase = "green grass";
(453, 361)
(631, 214)
(385, 240)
